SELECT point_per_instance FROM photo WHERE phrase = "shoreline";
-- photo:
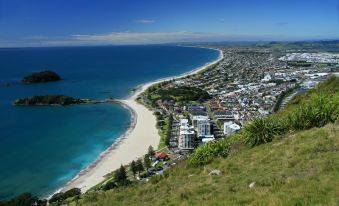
(134, 143)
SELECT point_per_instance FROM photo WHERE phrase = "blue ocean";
(42, 148)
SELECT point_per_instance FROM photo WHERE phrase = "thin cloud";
(145, 21)
(282, 23)
(146, 37)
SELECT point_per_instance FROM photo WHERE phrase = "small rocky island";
(41, 77)
(52, 100)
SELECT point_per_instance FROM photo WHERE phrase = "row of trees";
(120, 176)
(169, 130)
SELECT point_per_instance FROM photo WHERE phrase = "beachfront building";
(204, 128)
(230, 128)
(187, 136)
(197, 118)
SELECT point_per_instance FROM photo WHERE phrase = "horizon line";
(173, 43)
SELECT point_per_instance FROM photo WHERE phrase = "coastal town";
(209, 104)
(212, 104)
(247, 83)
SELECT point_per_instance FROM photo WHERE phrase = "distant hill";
(41, 77)
(325, 45)
(316, 45)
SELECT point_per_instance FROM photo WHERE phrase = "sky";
(101, 22)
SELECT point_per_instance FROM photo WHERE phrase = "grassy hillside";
(298, 169)
(289, 158)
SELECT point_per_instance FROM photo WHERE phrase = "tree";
(147, 162)
(151, 151)
(57, 197)
(169, 130)
(133, 168)
(140, 166)
(120, 175)
(72, 192)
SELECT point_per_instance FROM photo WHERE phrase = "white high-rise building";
(204, 128)
(187, 136)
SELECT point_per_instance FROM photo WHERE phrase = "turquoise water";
(42, 148)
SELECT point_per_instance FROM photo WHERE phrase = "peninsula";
(41, 77)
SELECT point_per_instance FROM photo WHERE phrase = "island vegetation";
(41, 77)
(61, 100)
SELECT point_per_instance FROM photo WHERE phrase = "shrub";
(207, 152)
(263, 130)
(109, 185)
(322, 109)
(72, 192)
(57, 197)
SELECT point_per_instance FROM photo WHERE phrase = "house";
(161, 156)
(224, 116)
(266, 78)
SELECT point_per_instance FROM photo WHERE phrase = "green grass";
(162, 132)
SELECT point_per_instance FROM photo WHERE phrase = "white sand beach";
(132, 145)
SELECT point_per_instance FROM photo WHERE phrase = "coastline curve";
(134, 142)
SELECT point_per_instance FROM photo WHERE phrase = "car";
(146, 174)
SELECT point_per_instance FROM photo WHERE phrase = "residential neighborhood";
(248, 83)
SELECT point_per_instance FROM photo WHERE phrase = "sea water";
(43, 147)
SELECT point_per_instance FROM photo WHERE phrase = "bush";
(322, 109)
(207, 152)
(57, 197)
(109, 185)
(263, 130)
(72, 192)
